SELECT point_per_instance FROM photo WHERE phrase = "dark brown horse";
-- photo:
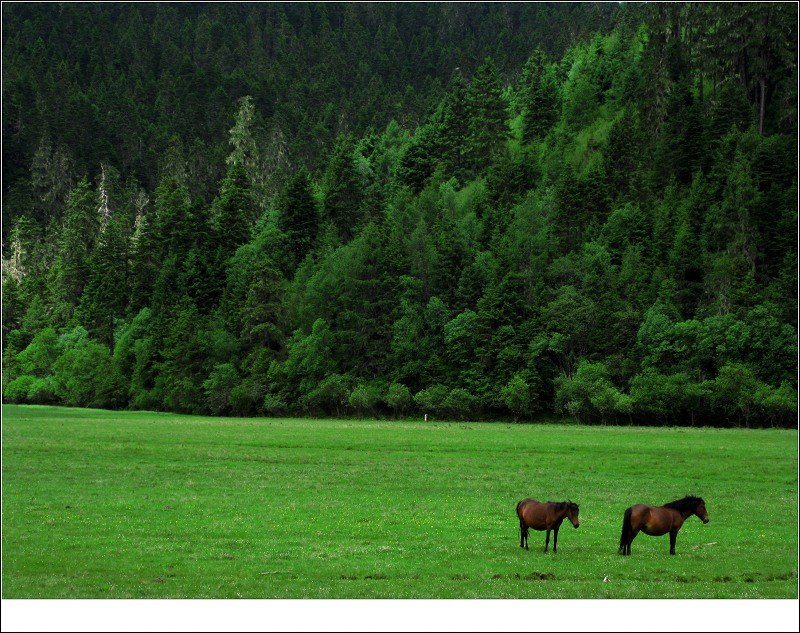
(544, 516)
(658, 520)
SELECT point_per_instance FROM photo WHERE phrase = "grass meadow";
(146, 505)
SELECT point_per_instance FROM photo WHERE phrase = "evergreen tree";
(486, 111)
(142, 256)
(299, 215)
(344, 194)
(106, 295)
(451, 128)
(173, 226)
(81, 227)
(234, 210)
(538, 98)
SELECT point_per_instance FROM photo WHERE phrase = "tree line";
(607, 233)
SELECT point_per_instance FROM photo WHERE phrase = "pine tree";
(106, 293)
(234, 210)
(538, 98)
(142, 261)
(487, 116)
(418, 161)
(450, 128)
(299, 215)
(173, 228)
(78, 236)
(344, 195)
(258, 167)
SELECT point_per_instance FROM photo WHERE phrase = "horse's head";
(572, 513)
(701, 511)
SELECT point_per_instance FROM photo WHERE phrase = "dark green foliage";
(590, 393)
(344, 191)
(366, 398)
(538, 98)
(234, 211)
(142, 260)
(106, 295)
(174, 227)
(348, 212)
(84, 374)
(81, 226)
(398, 398)
(299, 215)
(219, 387)
(485, 109)
(451, 126)
(419, 160)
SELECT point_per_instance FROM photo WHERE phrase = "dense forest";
(475, 211)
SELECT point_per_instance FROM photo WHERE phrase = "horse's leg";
(627, 551)
(555, 537)
(673, 536)
(547, 541)
(633, 536)
(521, 534)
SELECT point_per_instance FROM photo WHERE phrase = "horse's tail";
(627, 529)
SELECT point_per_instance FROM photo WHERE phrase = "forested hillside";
(141, 86)
(473, 211)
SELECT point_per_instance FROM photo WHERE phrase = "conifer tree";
(106, 293)
(450, 128)
(299, 215)
(344, 195)
(234, 210)
(81, 227)
(538, 98)
(142, 255)
(173, 228)
(487, 116)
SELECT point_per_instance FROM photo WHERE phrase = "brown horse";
(657, 521)
(544, 516)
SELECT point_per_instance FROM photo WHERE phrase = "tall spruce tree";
(486, 110)
(299, 215)
(78, 236)
(538, 98)
(234, 210)
(106, 295)
(344, 194)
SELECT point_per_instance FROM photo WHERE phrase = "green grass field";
(119, 504)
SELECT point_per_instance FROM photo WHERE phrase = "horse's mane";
(563, 505)
(687, 503)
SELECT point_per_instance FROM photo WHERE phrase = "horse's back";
(522, 504)
(653, 520)
(639, 511)
(533, 513)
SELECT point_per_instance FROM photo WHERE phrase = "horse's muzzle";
(706, 520)
(576, 525)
